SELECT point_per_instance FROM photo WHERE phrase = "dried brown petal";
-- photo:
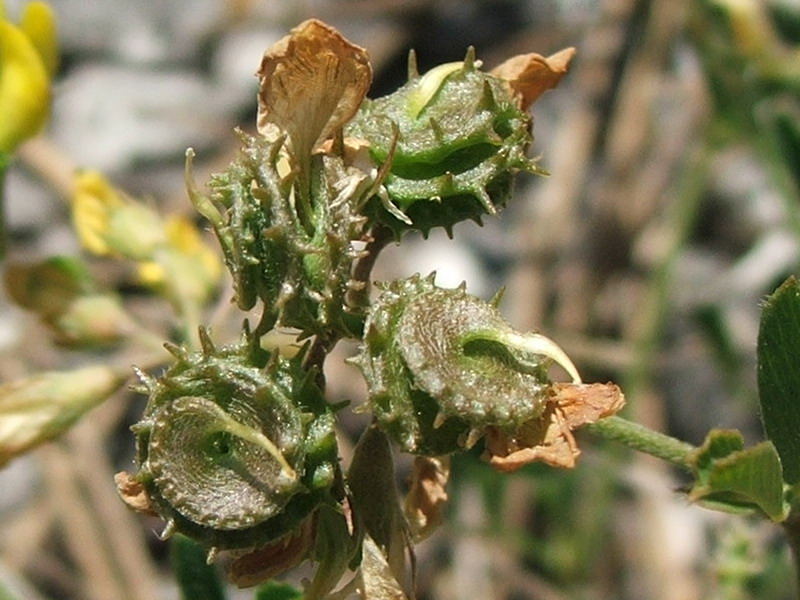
(311, 83)
(549, 438)
(530, 75)
(588, 402)
(425, 501)
(133, 493)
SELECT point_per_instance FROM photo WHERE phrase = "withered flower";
(312, 83)
(424, 505)
(549, 438)
(530, 75)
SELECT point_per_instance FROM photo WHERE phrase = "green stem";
(643, 439)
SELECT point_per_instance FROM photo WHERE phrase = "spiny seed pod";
(236, 447)
(442, 365)
(454, 138)
(288, 247)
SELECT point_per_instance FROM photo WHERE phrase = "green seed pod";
(442, 365)
(454, 138)
(287, 244)
(236, 447)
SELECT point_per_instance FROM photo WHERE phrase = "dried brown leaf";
(530, 75)
(549, 438)
(311, 83)
(427, 496)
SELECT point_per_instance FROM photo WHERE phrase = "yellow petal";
(312, 83)
(92, 203)
(39, 25)
(24, 88)
(185, 237)
(150, 274)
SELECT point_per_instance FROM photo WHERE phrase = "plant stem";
(643, 439)
(5, 162)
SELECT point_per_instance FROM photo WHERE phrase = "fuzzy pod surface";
(442, 365)
(454, 138)
(236, 447)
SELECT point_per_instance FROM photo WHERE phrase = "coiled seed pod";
(442, 365)
(454, 138)
(236, 447)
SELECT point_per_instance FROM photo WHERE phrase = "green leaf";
(779, 374)
(274, 590)
(732, 478)
(197, 579)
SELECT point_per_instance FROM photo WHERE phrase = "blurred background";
(671, 210)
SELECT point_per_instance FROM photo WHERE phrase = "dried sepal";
(549, 438)
(530, 75)
(133, 494)
(311, 83)
(426, 498)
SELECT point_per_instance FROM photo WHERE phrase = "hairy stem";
(643, 439)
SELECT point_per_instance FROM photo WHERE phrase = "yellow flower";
(185, 261)
(93, 200)
(172, 257)
(108, 222)
(28, 59)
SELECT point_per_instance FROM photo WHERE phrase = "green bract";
(442, 365)
(454, 138)
(236, 447)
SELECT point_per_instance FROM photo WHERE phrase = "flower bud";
(41, 407)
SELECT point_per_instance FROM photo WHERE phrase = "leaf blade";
(779, 375)
(733, 478)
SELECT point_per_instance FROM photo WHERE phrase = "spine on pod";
(453, 139)
(294, 254)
